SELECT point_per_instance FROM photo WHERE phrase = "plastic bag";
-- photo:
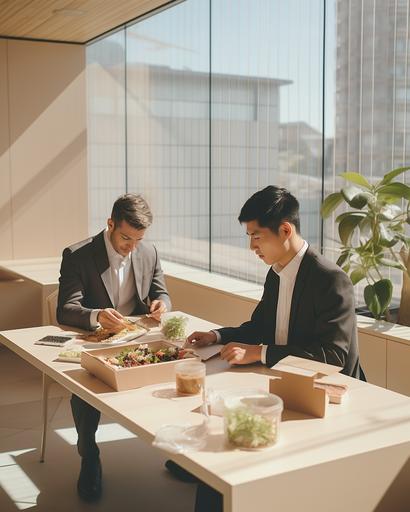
(182, 438)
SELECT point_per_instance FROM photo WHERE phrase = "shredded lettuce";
(174, 327)
(246, 429)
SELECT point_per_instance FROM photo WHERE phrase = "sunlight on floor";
(15, 482)
(105, 433)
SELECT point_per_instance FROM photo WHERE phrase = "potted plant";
(373, 237)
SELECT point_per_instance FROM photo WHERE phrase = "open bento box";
(123, 378)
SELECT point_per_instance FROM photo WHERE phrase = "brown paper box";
(129, 378)
(296, 384)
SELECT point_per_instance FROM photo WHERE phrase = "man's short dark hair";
(271, 207)
(133, 209)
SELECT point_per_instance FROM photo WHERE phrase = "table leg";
(44, 413)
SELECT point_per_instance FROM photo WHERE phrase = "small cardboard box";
(122, 379)
(296, 384)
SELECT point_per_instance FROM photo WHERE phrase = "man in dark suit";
(102, 279)
(307, 308)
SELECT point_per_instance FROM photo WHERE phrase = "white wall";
(43, 150)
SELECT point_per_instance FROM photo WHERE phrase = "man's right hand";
(201, 339)
(109, 318)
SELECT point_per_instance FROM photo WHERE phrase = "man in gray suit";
(307, 308)
(102, 279)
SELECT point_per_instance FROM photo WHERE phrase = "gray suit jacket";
(322, 324)
(85, 282)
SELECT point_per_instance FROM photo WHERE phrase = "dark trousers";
(207, 499)
(86, 419)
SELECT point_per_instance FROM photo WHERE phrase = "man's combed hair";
(133, 209)
(271, 207)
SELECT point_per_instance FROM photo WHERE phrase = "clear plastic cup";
(252, 421)
(216, 397)
(190, 378)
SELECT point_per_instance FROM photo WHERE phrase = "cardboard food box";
(122, 379)
(299, 386)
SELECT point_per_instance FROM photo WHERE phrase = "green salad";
(247, 429)
(143, 355)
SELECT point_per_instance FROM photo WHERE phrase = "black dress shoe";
(180, 473)
(89, 482)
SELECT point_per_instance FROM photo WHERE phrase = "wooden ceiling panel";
(75, 21)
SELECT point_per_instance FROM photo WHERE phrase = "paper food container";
(298, 386)
(122, 379)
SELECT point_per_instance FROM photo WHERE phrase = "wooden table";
(346, 461)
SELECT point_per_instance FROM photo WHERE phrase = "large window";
(168, 127)
(367, 79)
(202, 104)
(106, 126)
(266, 118)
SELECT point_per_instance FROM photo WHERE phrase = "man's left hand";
(241, 353)
(157, 308)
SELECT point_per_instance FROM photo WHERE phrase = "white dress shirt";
(122, 281)
(287, 277)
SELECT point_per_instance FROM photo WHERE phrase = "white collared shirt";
(122, 281)
(287, 278)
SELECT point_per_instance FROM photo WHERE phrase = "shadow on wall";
(35, 187)
(43, 148)
(35, 79)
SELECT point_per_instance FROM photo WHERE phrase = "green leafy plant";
(373, 233)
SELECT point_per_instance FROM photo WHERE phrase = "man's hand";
(241, 353)
(157, 308)
(110, 319)
(201, 339)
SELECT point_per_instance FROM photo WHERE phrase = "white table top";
(371, 417)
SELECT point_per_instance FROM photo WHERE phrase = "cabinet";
(385, 354)
(373, 358)
(398, 367)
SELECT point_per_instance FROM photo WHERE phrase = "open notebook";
(207, 352)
